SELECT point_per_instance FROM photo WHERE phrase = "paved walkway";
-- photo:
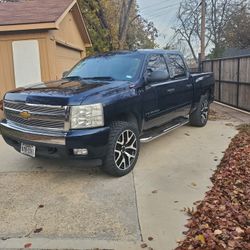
(84, 209)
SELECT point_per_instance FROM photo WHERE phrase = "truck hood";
(67, 92)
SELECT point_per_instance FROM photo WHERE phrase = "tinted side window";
(176, 66)
(156, 63)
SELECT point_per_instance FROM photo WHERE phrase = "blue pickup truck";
(106, 106)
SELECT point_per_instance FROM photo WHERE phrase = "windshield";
(121, 67)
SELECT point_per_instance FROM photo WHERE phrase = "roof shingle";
(32, 11)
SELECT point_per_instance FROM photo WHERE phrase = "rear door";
(179, 89)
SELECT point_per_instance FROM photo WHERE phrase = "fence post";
(238, 82)
(219, 79)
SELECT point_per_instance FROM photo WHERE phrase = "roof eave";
(88, 43)
(60, 18)
(30, 26)
(54, 25)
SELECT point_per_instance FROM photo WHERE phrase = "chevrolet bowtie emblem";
(25, 115)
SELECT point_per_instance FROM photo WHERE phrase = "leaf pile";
(222, 219)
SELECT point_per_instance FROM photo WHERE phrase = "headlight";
(86, 116)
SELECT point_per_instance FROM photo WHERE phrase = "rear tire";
(123, 149)
(199, 117)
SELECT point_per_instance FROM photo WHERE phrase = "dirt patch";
(222, 219)
(214, 115)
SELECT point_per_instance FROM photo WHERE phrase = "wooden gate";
(232, 80)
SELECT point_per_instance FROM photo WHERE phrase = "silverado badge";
(25, 115)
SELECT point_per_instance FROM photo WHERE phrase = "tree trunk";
(124, 21)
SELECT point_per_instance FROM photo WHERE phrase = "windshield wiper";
(105, 78)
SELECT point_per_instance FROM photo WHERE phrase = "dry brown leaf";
(217, 232)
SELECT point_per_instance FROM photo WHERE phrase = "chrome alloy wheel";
(125, 150)
(204, 111)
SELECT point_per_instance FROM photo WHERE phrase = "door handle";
(171, 90)
(189, 85)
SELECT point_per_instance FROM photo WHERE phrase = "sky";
(162, 13)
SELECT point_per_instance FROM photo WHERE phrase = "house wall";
(7, 78)
(69, 33)
(69, 45)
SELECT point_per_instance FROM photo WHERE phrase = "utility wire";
(153, 5)
(159, 11)
(164, 7)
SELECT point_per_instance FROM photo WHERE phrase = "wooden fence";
(232, 80)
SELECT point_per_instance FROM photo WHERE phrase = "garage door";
(66, 58)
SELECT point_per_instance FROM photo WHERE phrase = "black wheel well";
(208, 92)
(129, 117)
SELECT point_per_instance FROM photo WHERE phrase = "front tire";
(199, 117)
(123, 149)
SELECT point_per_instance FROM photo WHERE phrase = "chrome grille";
(41, 116)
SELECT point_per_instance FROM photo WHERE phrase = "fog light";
(80, 151)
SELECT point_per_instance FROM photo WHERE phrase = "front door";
(153, 111)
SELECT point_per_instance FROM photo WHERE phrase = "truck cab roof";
(139, 51)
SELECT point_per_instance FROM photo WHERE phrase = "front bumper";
(58, 144)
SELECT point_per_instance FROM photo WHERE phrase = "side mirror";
(65, 73)
(158, 76)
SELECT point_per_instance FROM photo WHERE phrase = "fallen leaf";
(27, 245)
(194, 184)
(150, 238)
(200, 238)
(154, 192)
(189, 211)
(231, 243)
(217, 232)
(239, 230)
(40, 206)
(222, 208)
(204, 226)
(38, 230)
(144, 245)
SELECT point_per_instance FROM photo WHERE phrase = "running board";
(163, 132)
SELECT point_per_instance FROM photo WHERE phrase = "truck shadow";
(83, 167)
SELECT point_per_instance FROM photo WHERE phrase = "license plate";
(29, 150)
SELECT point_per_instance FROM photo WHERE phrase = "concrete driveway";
(56, 204)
